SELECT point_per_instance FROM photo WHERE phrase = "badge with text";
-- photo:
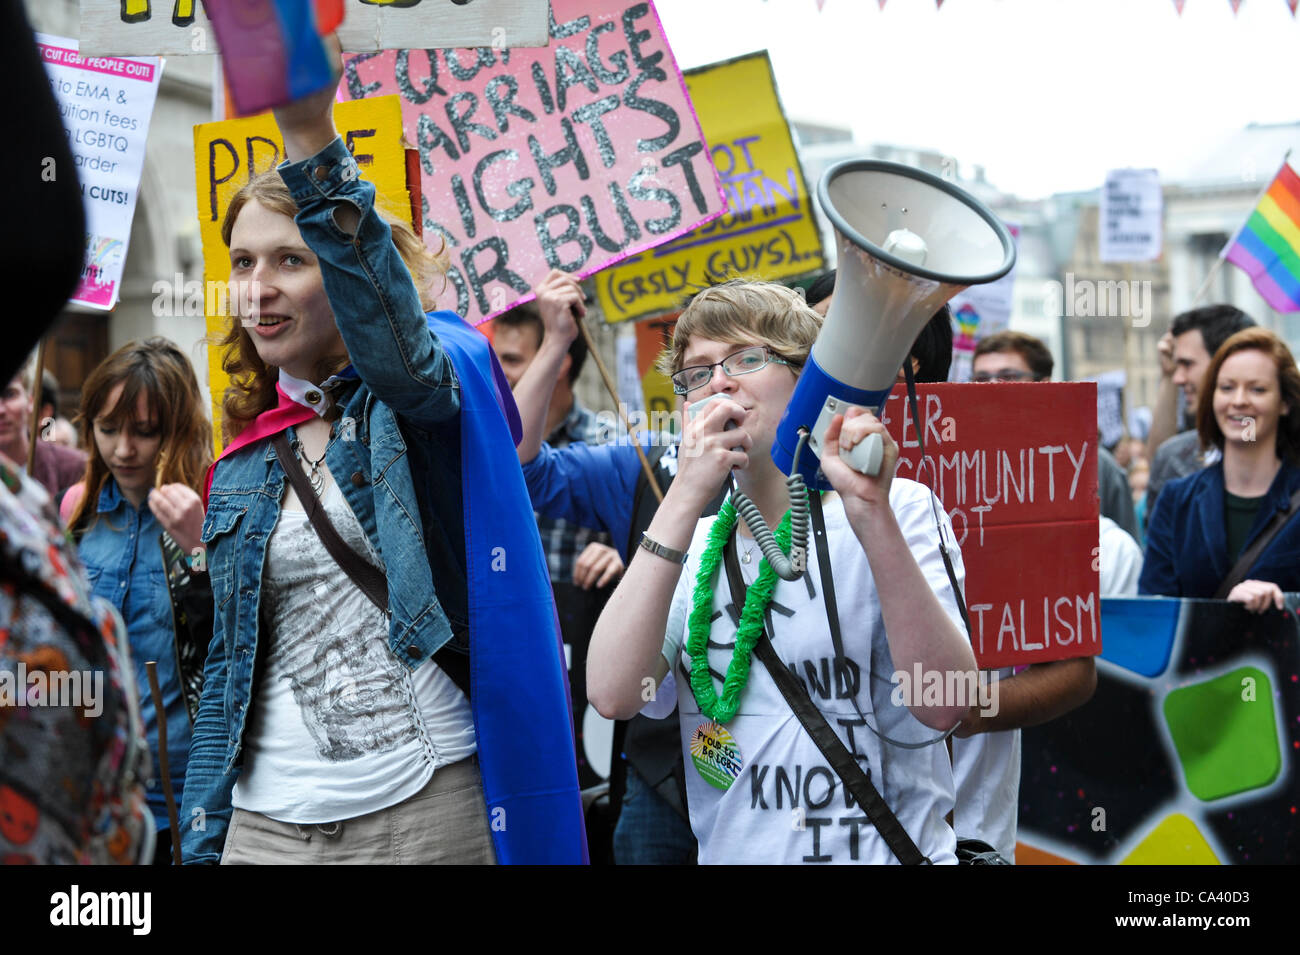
(715, 754)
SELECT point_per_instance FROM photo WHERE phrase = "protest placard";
(652, 337)
(1184, 754)
(769, 231)
(181, 27)
(1019, 483)
(572, 157)
(227, 154)
(106, 104)
(981, 311)
(1132, 216)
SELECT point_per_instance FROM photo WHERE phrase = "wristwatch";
(659, 550)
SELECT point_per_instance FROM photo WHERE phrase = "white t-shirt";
(1121, 560)
(987, 770)
(786, 804)
(340, 728)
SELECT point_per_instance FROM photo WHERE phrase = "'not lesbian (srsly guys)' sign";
(106, 103)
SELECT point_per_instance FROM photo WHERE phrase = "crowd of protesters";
(353, 608)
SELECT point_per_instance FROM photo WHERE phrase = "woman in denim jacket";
(331, 730)
(150, 444)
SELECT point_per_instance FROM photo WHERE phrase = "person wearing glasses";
(747, 342)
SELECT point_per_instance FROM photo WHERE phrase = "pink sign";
(573, 156)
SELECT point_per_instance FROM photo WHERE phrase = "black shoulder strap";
(368, 578)
(836, 753)
(1251, 553)
(943, 547)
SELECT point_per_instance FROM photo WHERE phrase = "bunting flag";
(1267, 246)
(1178, 5)
(1236, 5)
(1292, 5)
(273, 51)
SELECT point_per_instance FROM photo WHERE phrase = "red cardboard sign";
(1015, 465)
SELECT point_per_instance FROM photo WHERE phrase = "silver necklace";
(315, 476)
(746, 557)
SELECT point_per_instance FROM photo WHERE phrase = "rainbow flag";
(273, 51)
(1267, 247)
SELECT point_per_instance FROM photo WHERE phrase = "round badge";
(715, 754)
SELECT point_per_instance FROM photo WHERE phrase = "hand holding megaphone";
(858, 456)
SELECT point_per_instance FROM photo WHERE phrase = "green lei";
(757, 598)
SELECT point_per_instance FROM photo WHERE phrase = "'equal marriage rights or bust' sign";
(1015, 466)
(572, 157)
(180, 27)
(769, 232)
(227, 154)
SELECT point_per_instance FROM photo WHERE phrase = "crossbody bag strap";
(835, 752)
(364, 574)
(370, 580)
(1251, 554)
(920, 443)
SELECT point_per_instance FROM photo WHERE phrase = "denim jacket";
(396, 462)
(127, 557)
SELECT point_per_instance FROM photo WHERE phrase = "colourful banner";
(106, 104)
(573, 157)
(229, 153)
(981, 311)
(1186, 752)
(770, 231)
(181, 27)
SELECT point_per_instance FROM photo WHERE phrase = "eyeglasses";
(1005, 374)
(742, 362)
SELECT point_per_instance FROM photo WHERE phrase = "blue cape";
(519, 687)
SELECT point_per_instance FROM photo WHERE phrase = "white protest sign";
(981, 311)
(1110, 401)
(1132, 212)
(106, 104)
(181, 28)
(629, 381)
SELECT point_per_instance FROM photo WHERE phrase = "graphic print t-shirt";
(339, 728)
(786, 804)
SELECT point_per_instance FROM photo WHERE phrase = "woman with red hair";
(1204, 524)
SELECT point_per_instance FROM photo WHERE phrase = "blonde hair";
(252, 383)
(745, 312)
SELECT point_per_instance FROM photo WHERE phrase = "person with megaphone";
(760, 789)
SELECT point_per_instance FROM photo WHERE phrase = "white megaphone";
(908, 241)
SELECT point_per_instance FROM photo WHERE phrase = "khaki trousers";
(444, 823)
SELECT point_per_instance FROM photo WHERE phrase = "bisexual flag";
(273, 51)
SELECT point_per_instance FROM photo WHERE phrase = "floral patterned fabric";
(72, 751)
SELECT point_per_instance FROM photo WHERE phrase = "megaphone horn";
(908, 241)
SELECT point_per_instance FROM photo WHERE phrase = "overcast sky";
(1046, 94)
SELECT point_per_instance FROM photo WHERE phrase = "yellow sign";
(227, 154)
(770, 232)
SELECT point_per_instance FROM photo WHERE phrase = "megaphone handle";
(866, 456)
